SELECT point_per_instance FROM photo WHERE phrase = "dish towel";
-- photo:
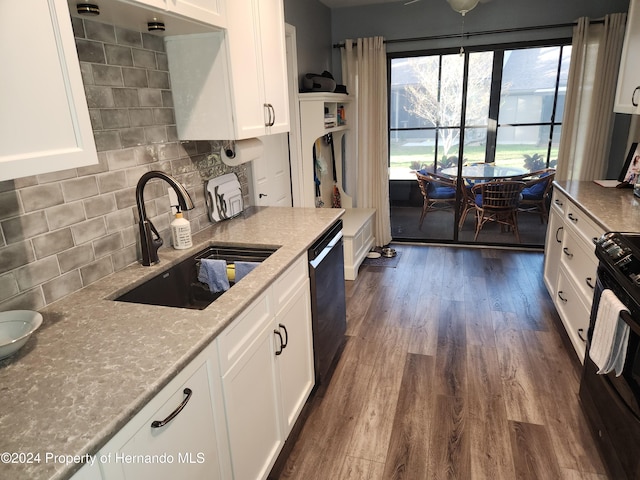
(608, 348)
(243, 269)
(214, 274)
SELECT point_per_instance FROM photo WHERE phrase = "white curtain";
(364, 72)
(588, 112)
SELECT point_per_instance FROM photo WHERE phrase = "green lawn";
(508, 155)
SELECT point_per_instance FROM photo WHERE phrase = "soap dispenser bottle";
(181, 232)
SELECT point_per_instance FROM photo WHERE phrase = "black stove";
(611, 402)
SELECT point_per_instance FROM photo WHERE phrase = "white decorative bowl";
(16, 326)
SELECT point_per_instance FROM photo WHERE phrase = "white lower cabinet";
(230, 410)
(295, 362)
(573, 311)
(267, 372)
(177, 434)
(570, 266)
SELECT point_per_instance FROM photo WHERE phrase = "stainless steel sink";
(179, 285)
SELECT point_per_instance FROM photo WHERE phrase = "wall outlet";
(173, 200)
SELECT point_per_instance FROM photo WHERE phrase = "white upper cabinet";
(206, 11)
(628, 91)
(44, 117)
(232, 85)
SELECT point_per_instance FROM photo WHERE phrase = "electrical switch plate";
(173, 200)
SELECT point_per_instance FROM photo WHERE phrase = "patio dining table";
(485, 171)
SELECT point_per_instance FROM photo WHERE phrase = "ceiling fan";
(460, 6)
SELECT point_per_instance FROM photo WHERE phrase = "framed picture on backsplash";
(631, 169)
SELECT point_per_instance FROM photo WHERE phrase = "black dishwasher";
(328, 304)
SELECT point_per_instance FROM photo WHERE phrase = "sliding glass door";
(448, 110)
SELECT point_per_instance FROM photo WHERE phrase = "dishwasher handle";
(329, 246)
(328, 239)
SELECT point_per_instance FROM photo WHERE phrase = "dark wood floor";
(453, 368)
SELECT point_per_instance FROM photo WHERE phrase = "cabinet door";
(628, 91)
(44, 117)
(251, 404)
(553, 251)
(244, 39)
(272, 51)
(295, 362)
(185, 447)
(573, 312)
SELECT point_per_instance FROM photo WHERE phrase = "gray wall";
(427, 18)
(312, 20)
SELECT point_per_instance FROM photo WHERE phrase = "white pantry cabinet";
(232, 85)
(267, 372)
(44, 117)
(192, 443)
(628, 92)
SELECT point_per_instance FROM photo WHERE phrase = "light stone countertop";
(95, 363)
(614, 209)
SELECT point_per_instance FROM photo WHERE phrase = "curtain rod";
(474, 34)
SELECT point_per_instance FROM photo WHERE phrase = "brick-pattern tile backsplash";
(61, 231)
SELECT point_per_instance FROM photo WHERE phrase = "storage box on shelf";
(232, 85)
(570, 266)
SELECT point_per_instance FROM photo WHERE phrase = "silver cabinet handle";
(272, 115)
(161, 423)
(567, 252)
(633, 97)
(572, 218)
(564, 300)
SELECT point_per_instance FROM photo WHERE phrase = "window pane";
(414, 92)
(562, 85)
(410, 150)
(479, 88)
(450, 106)
(519, 145)
(528, 85)
(475, 145)
(448, 145)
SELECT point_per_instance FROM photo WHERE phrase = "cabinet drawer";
(239, 335)
(187, 443)
(559, 201)
(286, 284)
(583, 226)
(580, 264)
(574, 313)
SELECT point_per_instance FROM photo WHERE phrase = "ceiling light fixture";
(87, 9)
(463, 6)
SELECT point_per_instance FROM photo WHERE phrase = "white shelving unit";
(358, 223)
(312, 126)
